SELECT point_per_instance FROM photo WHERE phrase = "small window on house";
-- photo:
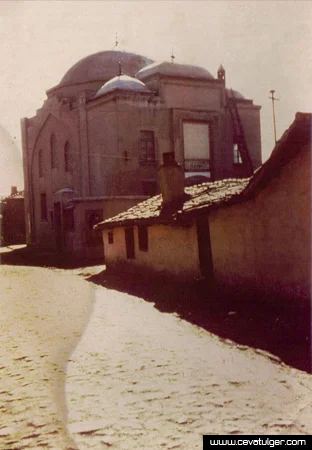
(110, 237)
(68, 157)
(53, 151)
(43, 207)
(147, 147)
(143, 238)
(149, 188)
(236, 155)
(40, 162)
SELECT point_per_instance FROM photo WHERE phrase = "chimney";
(171, 178)
(13, 190)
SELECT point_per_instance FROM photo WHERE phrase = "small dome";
(235, 94)
(123, 83)
(174, 70)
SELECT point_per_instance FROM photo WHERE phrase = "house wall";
(171, 250)
(265, 243)
(12, 229)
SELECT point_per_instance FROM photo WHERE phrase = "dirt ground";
(94, 360)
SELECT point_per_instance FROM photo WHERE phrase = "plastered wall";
(172, 250)
(266, 242)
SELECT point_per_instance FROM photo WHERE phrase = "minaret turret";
(221, 74)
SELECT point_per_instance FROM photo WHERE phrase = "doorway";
(129, 236)
(58, 227)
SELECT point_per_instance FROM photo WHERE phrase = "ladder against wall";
(238, 133)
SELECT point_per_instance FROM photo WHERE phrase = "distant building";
(253, 232)
(13, 218)
(93, 149)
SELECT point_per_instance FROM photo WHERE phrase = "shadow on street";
(261, 323)
(268, 324)
(23, 256)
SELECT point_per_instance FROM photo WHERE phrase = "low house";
(253, 232)
(13, 218)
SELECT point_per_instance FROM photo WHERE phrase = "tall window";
(43, 206)
(196, 140)
(68, 157)
(53, 150)
(236, 155)
(147, 149)
(40, 162)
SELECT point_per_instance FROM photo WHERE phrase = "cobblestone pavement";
(136, 379)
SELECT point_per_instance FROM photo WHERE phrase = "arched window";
(40, 162)
(68, 157)
(53, 151)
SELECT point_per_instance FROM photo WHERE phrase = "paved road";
(136, 378)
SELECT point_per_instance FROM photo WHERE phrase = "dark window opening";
(68, 157)
(43, 207)
(147, 147)
(143, 238)
(149, 188)
(53, 150)
(40, 161)
(110, 237)
(236, 155)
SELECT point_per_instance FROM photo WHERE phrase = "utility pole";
(273, 107)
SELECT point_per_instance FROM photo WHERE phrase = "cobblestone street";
(136, 377)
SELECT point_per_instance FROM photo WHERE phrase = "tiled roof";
(197, 198)
(19, 194)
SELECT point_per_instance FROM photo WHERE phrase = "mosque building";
(93, 149)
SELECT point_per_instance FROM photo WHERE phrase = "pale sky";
(263, 45)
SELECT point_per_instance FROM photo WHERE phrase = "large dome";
(104, 66)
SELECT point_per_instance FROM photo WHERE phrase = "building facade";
(93, 148)
(251, 234)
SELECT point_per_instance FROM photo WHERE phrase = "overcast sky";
(263, 45)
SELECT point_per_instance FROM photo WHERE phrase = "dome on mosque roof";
(175, 70)
(104, 66)
(123, 83)
(236, 94)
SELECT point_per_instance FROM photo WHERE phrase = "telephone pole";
(273, 107)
